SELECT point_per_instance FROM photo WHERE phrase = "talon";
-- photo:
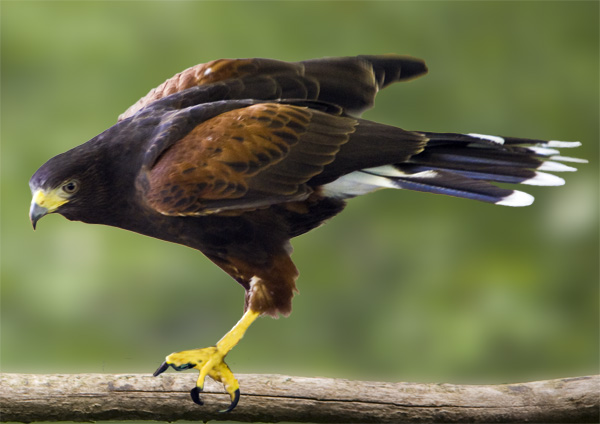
(163, 367)
(195, 394)
(210, 362)
(235, 398)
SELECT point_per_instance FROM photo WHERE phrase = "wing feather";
(349, 82)
(210, 73)
(245, 159)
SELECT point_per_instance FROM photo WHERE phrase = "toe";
(209, 361)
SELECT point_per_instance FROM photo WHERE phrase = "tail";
(467, 166)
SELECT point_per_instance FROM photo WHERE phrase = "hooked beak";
(36, 212)
(44, 203)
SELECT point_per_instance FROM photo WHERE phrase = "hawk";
(237, 156)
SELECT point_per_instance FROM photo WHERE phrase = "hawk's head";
(74, 184)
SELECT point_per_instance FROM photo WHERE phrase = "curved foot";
(209, 361)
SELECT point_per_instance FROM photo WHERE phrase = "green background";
(402, 286)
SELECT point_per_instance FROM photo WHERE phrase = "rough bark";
(273, 398)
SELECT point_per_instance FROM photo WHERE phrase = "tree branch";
(272, 398)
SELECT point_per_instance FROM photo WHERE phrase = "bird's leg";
(210, 361)
(269, 291)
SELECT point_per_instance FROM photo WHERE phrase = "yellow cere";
(51, 200)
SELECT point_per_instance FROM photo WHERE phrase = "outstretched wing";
(350, 82)
(244, 159)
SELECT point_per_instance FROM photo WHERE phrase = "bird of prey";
(237, 156)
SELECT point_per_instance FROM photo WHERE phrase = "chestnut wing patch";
(246, 159)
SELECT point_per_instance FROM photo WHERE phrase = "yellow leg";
(234, 335)
(210, 361)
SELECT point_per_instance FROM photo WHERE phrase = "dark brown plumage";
(235, 157)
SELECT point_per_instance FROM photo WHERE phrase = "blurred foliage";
(401, 286)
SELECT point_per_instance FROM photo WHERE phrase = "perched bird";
(237, 156)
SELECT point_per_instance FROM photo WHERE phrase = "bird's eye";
(70, 187)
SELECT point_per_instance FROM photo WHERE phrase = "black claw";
(195, 394)
(163, 367)
(234, 402)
